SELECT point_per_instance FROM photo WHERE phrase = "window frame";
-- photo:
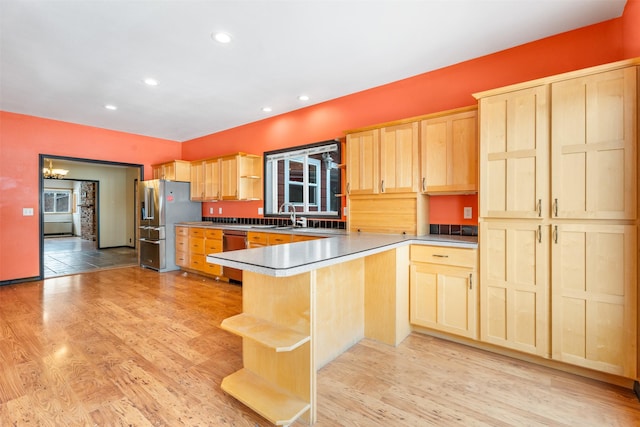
(56, 192)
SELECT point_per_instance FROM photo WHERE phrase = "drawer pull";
(470, 281)
(440, 256)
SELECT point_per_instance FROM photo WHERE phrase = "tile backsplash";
(278, 222)
(454, 229)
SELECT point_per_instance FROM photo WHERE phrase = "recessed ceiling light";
(110, 107)
(221, 37)
(267, 109)
(151, 82)
(303, 97)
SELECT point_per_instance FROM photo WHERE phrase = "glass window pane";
(48, 201)
(62, 202)
(295, 193)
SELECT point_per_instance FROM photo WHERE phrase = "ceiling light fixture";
(267, 109)
(221, 37)
(150, 82)
(51, 173)
(111, 107)
(303, 97)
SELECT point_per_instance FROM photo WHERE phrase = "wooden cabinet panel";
(449, 153)
(197, 181)
(363, 164)
(595, 296)
(444, 289)
(514, 146)
(279, 239)
(229, 178)
(176, 170)
(241, 177)
(514, 286)
(594, 134)
(257, 239)
(399, 158)
(212, 179)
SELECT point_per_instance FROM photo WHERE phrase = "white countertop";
(301, 257)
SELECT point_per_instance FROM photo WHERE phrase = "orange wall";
(22, 139)
(443, 89)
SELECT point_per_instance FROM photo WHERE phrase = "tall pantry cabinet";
(558, 217)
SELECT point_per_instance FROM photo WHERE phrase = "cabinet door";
(514, 139)
(443, 298)
(229, 178)
(197, 181)
(514, 286)
(449, 153)
(594, 296)
(594, 138)
(399, 158)
(250, 177)
(363, 162)
(212, 179)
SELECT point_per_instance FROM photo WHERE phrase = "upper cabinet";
(241, 177)
(514, 128)
(593, 129)
(449, 152)
(399, 158)
(383, 160)
(176, 170)
(363, 153)
(205, 180)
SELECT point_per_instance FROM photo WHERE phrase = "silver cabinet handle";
(470, 281)
(555, 207)
(382, 186)
(539, 207)
(424, 187)
(440, 256)
(539, 234)
(348, 188)
(555, 234)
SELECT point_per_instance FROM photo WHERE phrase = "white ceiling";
(65, 60)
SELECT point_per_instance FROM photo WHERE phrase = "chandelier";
(51, 173)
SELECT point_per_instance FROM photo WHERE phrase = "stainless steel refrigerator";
(162, 205)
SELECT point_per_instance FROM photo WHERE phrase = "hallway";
(71, 255)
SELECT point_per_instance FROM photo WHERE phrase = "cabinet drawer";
(182, 231)
(213, 269)
(300, 238)
(259, 239)
(213, 233)
(212, 246)
(182, 258)
(197, 232)
(278, 239)
(197, 262)
(446, 256)
(182, 243)
(196, 245)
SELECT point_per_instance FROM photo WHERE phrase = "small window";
(307, 177)
(57, 201)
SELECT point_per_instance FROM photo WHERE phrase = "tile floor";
(70, 255)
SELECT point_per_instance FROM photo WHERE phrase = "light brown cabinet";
(444, 289)
(201, 242)
(514, 296)
(449, 152)
(241, 177)
(257, 239)
(586, 226)
(363, 152)
(176, 170)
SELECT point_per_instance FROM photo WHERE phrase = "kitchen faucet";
(291, 208)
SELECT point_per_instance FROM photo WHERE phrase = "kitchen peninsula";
(306, 303)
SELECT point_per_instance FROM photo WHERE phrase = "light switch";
(467, 213)
(27, 211)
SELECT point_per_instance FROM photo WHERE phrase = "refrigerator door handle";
(148, 211)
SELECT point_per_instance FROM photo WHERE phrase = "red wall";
(443, 89)
(22, 139)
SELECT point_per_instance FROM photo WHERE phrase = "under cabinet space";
(264, 332)
(273, 403)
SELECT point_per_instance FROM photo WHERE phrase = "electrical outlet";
(210, 210)
(219, 210)
(260, 211)
(468, 213)
(27, 211)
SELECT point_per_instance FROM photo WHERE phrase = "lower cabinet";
(444, 289)
(203, 241)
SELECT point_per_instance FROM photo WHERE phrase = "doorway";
(102, 213)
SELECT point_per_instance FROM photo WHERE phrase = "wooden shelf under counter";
(264, 332)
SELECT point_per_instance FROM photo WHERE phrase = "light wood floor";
(131, 347)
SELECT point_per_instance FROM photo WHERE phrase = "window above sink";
(307, 177)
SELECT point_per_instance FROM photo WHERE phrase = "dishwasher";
(233, 240)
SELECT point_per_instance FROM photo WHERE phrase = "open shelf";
(265, 398)
(266, 333)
